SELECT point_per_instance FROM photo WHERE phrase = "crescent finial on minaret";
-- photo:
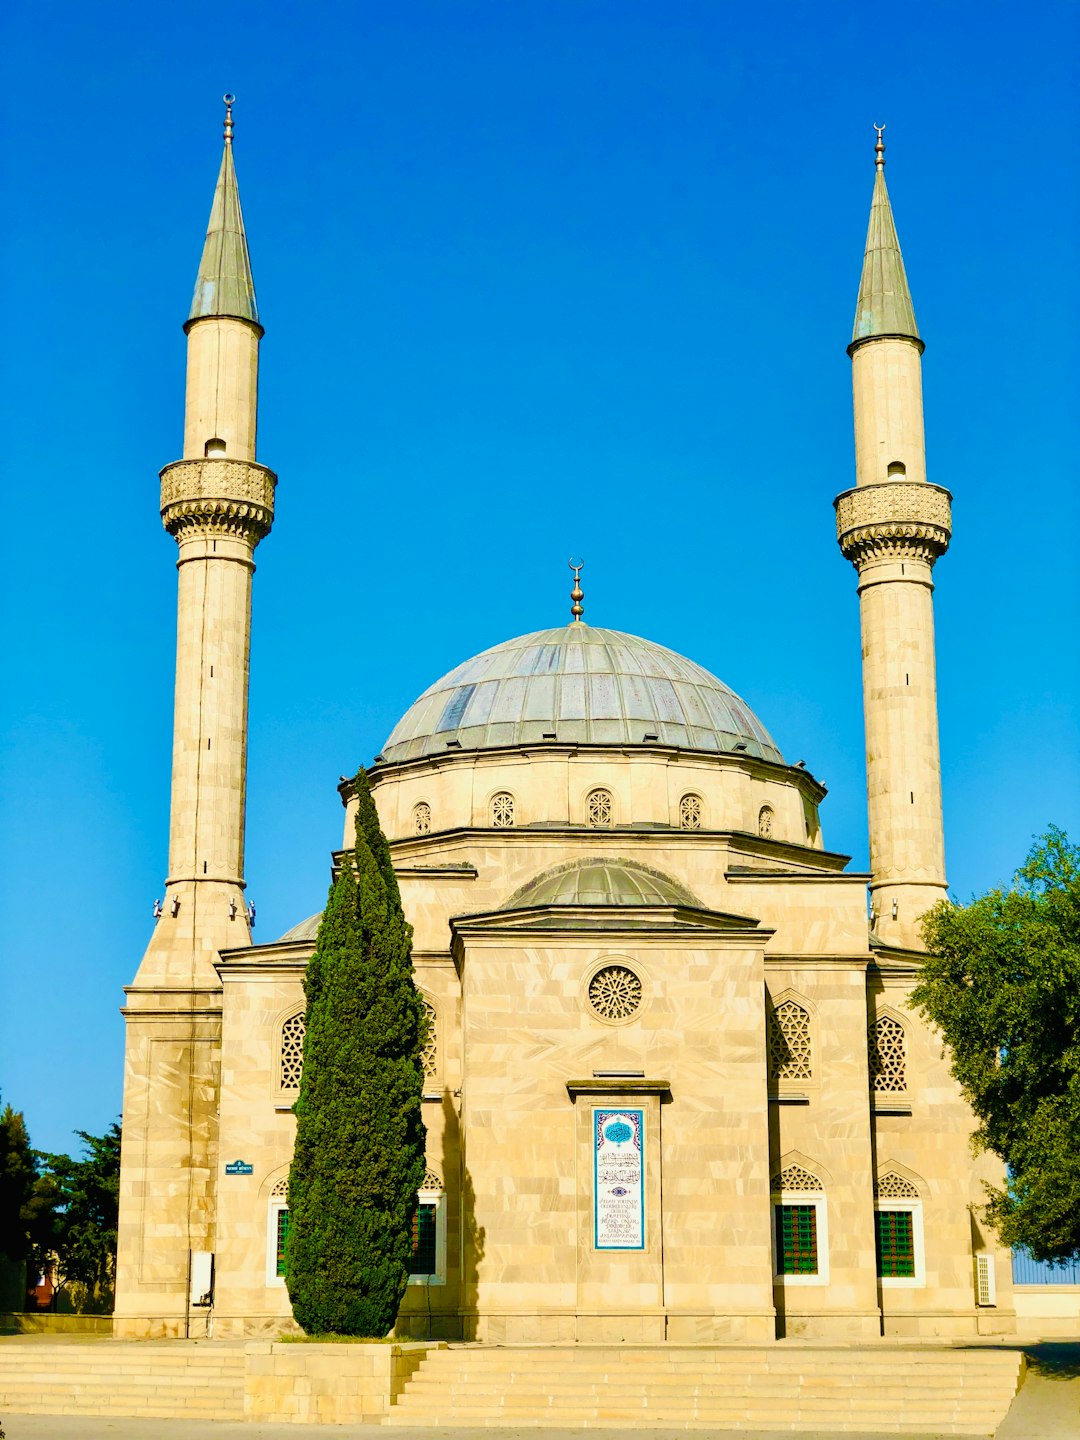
(230, 101)
(879, 148)
(577, 594)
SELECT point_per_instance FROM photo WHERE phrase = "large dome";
(583, 686)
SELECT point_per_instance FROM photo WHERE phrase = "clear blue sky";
(537, 278)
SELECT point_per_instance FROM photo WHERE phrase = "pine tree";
(359, 1156)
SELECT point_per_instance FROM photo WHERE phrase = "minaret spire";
(893, 526)
(225, 285)
(884, 305)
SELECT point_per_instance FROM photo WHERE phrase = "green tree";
(1003, 985)
(25, 1194)
(358, 1161)
(84, 1224)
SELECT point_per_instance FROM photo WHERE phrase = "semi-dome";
(600, 882)
(581, 685)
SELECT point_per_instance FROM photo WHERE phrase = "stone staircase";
(154, 1380)
(886, 1388)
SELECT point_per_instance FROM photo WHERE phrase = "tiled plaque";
(619, 1179)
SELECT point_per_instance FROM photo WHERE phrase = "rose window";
(422, 819)
(615, 992)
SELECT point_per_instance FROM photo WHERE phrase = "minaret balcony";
(898, 516)
(218, 496)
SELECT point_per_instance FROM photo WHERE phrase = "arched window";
(898, 1230)
(502, 810)
(277, 1232)
(422, 818)
(897, 470)
(429, 1053)
(765, 821)
(428, 1265)
(800, 1237)
(690, 812)
(291, 1051)
(789, 1044)
(888, 1057)
(598, 809)
(214, 449)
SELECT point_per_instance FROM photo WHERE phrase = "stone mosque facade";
(675, 1089)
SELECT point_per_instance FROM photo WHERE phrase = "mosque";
(675, 1090)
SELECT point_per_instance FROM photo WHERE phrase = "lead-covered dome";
(579, 685)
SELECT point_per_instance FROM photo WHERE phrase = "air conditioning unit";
(985, 1287)
(201, 1292)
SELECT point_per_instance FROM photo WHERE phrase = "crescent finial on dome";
(577, 594)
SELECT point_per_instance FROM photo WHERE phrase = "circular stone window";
(615, 992)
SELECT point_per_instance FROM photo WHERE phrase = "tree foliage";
(26, 1195)
(83, 1235)
(358, 1161)
(1003, 985)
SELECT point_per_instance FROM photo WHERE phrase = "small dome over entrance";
(600, 882)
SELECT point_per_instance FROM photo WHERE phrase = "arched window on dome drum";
(502, 810)
(422, 818)
(888, 1056)
(765, 821)
(690, 809)
(598, 810)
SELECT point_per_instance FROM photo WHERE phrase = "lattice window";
(894, 1237)
(429, 1054)
(795, 1179)
(425, 1248)
(888, 1068)
(690, 809)
(422, 818)
(598, 809)
(281, 1189)
(431, 1180)
(789, 1043)
(615, 992)
(894, 1187)
(281, 1241)
(502, 810)
(292, 1051)
(765, 821)
(796, 1239)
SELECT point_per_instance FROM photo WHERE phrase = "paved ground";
(67, 1427)
(1047, 1408)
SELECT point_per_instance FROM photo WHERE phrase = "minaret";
(217, 503)
(892, 527)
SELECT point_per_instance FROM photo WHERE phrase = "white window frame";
(816, 1198)
(438, 1199)
(905, 1282)
(276, 1205)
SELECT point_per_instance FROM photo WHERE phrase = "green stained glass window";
(796, 1240)
(282, 1238)
(895, 1243)
(423, 1255)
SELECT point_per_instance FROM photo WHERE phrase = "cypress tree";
(358, 1161)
